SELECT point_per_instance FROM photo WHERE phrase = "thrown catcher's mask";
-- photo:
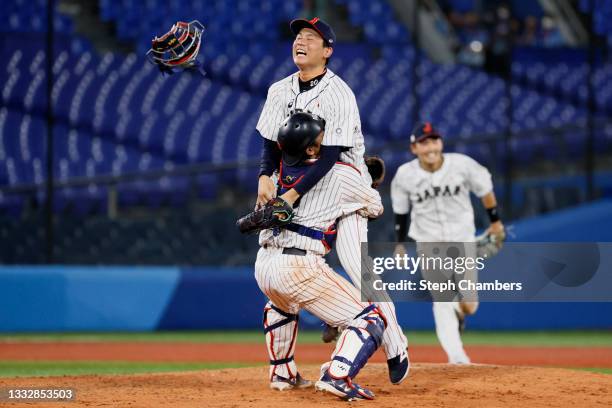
(178, 48)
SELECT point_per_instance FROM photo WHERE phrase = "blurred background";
(120, 187)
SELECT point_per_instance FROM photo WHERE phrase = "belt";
(294, 251)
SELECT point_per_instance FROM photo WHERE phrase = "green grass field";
(497, 338)
(52, 368)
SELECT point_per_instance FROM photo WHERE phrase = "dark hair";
(327, 45)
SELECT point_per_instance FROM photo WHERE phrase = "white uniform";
(294, 282)
(333, 100)
(340, 192)
(441, 211)
(439, 202)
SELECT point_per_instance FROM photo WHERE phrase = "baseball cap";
(320, 26)
(423, 131)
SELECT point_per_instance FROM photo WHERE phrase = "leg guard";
(357, 343)
(280, 329)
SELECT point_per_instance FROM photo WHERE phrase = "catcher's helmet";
(298, 132)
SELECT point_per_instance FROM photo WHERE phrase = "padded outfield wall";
(74, 298)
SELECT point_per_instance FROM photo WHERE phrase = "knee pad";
(358, 343)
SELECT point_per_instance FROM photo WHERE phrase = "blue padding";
(83, 298)
(215, 298)
(97, 299)
(369, 346)
(547, 316)
(587, 223)
(516, 316)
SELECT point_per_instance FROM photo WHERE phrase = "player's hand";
(400, 250)
(266, 191)
(290, 196)
(498, 231)
(367, 213)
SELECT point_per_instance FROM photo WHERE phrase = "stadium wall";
(86, 298)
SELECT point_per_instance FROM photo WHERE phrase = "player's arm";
(329, 156)
(496, 226)
(402, 226)
(481, 184)
(357, 195)
(270, 159)
(400, 201)
(267, 126)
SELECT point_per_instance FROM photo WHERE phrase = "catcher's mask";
(297, 132)
(178, 48)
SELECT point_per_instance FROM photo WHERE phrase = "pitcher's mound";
(429, 385)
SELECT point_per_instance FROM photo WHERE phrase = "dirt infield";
(429, 385)
(305, 353)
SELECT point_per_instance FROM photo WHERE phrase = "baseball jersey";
(341, 191)
(332, 99)
(439, 202)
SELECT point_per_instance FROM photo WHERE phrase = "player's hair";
(326, 45)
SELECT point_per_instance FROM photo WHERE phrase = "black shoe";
(398, 368)
(330, 334)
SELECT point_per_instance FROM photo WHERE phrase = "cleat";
(462, 360)
(399, 366)
(330, 334)
(343, 388)
(280, 383)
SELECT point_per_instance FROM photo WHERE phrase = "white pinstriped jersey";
(332, 99)
(439, 202)
(341, 191)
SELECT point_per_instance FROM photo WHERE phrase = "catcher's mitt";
(276, 213)
(178, 48)
(376, 168)
(488, 245)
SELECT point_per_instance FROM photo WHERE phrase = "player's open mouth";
(300, 52)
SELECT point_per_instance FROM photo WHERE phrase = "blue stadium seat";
(117, 114)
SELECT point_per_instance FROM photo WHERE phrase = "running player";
(431, 201)
(317, 89)
(291, 271)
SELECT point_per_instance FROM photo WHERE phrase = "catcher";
(434, 191)
(291, 271)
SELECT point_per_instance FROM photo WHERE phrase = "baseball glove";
(376, 168)
(488, 245)
(275, 213)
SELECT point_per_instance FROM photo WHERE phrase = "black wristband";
(402, 224)
(493, 214)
